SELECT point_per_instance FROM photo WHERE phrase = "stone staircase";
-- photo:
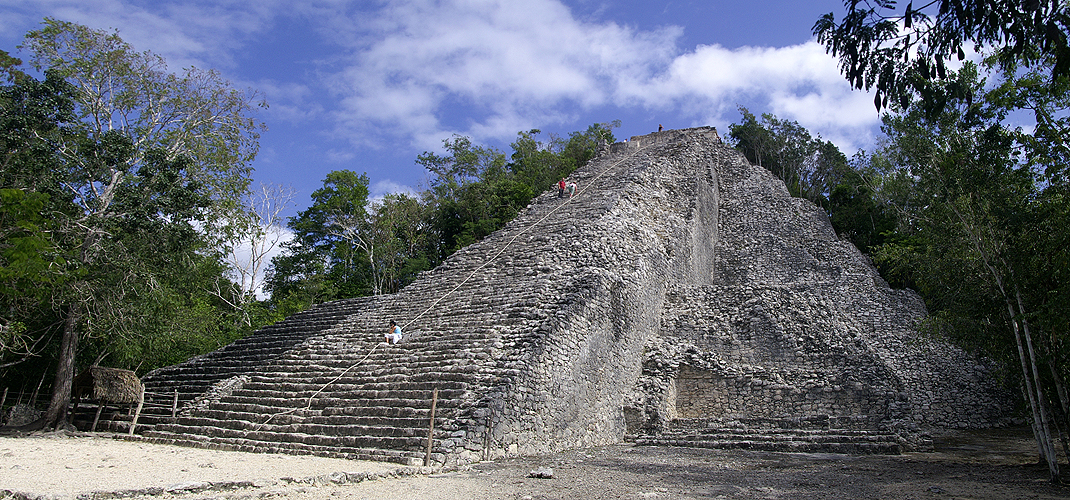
(353, 397)
(679, 286)
(174, 387)
(472, 327)
(817, 434)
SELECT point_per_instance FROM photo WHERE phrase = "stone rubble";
(682, 297)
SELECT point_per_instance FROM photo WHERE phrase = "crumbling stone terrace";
(681, 297)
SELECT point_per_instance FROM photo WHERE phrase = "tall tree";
(972, 221)
(904, 54)
(135, 169)
(809, 167)
(35, 116)
(464, 207)
(397, 230)
(325, 256)
(195, 113)
(112, 224)
(894, 50)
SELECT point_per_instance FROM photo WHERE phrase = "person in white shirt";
(394, 335)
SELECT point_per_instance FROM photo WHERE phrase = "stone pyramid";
(681, 297)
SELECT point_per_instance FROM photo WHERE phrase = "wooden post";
(486, 435)
(174, 405)
(3, 400)
(431, 429)
(33, 398)
(100, 406)
(74, 409)
(140, 402)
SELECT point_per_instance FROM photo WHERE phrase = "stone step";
(245, 403)
(325, 428)
(356, 378)
(756, 424)
(418, 392)
(397, 370)
(783, 445)
(416, 418)
(784, 434)
(405, 442)
(247, 445)
(811, 433)
(390, 358)
(445, 388)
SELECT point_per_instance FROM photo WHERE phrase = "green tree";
(397, 227)
(196, 114)
(1036, 92)
(856, 213)
(132, 171)
(463, 205)
(9, 68)
(973, 223)
(324, 260)
(809, 167)
(28, 264)
(35, 116)
(982, 243)
(109, 225)
(894, 51)
(752, 138)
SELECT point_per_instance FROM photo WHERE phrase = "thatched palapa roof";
(113, 385)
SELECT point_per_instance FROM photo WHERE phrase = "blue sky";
(367, 86)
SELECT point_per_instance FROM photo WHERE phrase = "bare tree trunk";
(1027, 385)
(1064, 406)
(1026, 353)
(1052, 457)
(56, 415)
(1041, 426)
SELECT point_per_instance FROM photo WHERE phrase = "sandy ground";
(986, 465)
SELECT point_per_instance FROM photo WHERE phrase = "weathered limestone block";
(681, 291)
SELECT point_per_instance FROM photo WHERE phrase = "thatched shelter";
(113, 385)
(109, 385)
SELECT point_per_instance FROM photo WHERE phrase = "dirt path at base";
(982, 465)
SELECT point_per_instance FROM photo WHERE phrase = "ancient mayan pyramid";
(682, 297)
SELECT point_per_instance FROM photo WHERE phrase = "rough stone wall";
(608, 265)
(645, 217)
(680, 282)
(796, 323)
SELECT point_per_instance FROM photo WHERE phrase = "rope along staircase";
(682, 297)
(324, 383)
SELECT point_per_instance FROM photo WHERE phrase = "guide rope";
(470, 276)
(519, 234)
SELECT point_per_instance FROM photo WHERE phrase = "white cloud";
(507, 63)
(379, 190)
(339, 156)
(385, 187)
(503, 67)
(409, 74)
(799, 83)
(206, 34)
